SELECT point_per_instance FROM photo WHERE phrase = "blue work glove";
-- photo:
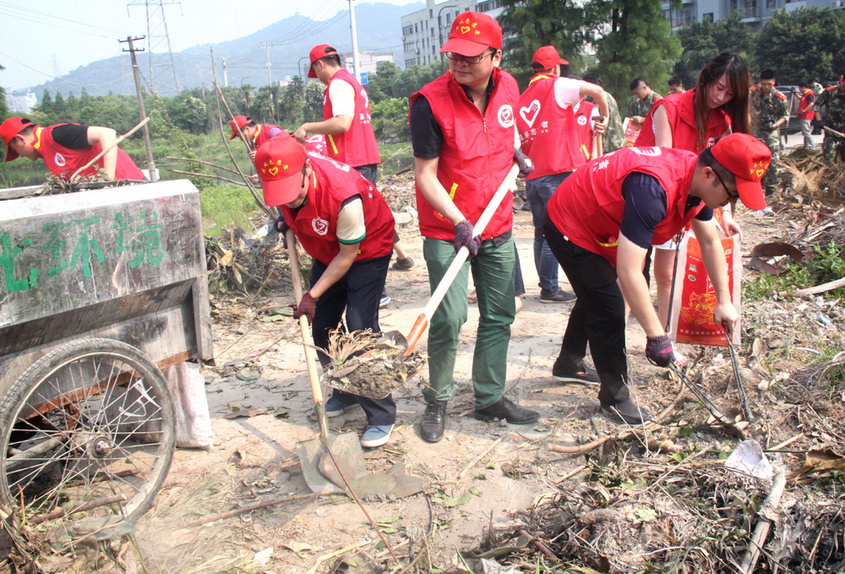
(307, 306)
(658, 350)
(464, 238)
(280, 225)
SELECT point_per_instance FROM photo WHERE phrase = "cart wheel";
(87, 438)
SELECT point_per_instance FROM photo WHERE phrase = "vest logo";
(582, 120)
(650, 151)
(320, 226)
(506, 116)
(60, 160)
(529, 113)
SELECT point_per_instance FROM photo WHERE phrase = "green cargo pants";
(493, 274)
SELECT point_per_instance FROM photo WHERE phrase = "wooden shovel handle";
(304, 327)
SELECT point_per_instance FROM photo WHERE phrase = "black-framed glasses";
(473, 60)
(731, 196)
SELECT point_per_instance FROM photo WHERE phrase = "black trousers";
(598, 316)
(358, 293)
(370, 172)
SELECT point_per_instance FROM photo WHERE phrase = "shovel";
(396, 338)
(325, 460)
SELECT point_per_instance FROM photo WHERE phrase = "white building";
(21, 102)
(367, 61)
(424, 31)
(755, 13)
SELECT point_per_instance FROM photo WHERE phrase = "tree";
(313, 111)
(637, 44)
(189, 113)
(292, 103)
(703, 40)
(535, 23)
(806, 44)
(390, 120)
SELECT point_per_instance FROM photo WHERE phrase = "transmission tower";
(162, 78)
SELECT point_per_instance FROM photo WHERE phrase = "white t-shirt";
(568, 93)
(342, 97)
(350, 222)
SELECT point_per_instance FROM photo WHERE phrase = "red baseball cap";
(238, 122)
(279, 162)
(473, 33)
(9, 129)
(546, 58)
(317, 52)
(748, 159)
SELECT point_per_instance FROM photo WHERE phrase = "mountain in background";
(379, 29)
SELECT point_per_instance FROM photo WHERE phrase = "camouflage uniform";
(640, 107)
(766, 110)
(613, 137)
(834, 101)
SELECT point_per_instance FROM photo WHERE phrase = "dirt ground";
(482, 476)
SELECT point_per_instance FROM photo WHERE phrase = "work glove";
(526, 166)
(658, 350)
(770, 125)
(281, 227)
(464, 238)
(307, 306)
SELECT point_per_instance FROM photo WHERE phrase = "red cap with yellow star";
(279, 162)
(748, 159)
(472, 34)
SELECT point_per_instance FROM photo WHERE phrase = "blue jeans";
(539, 191)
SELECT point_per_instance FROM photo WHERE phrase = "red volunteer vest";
(263, 133)
(315, 223)
(588, 207)
(476, 156)
(63, 161)
(681, 113)
(557, 140)
(803, 114)
(357, 146)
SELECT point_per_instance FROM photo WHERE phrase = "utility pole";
(225, 75)
(268, 46)
(141, 111)
(354, 41)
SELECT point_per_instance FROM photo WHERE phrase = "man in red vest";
(555, 127)
(463, 137)
(806, 113)
(600, 224)
(254, 132)
(67, 147)
(343, 222)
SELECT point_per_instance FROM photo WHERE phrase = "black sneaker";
(628, 411)
(403, 264)
(433, 422)
(509, 411)
(560, 296)
(574, 373)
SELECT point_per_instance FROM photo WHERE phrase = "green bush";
(224, 205)
(390, 120)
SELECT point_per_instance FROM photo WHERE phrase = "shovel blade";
(347, 451)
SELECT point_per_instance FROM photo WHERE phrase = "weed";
(826, 264)
(224, 205)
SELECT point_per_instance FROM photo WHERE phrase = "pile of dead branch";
(806, 174)
(368, 364)
(636, 516)
(239, 263)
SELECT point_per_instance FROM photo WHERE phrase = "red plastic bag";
(632, 132)
(694, 299)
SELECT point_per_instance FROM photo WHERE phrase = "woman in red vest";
(693, 121)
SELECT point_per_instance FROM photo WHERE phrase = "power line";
(44, 19)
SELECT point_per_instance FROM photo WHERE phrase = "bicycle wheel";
(87, 438)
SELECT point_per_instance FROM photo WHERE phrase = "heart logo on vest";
(582, 120)
(505, 116)
(60, 160)
(529, 113)
(320, 226)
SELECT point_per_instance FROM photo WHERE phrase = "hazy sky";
(43, 39)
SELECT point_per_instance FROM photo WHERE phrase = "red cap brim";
(311, 72)
(463, 47)
(751, 194)
(281, 191)
(10, 153)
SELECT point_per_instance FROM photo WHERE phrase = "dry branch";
(823, 288)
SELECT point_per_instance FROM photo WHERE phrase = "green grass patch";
(826, 264)
(224, 205)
